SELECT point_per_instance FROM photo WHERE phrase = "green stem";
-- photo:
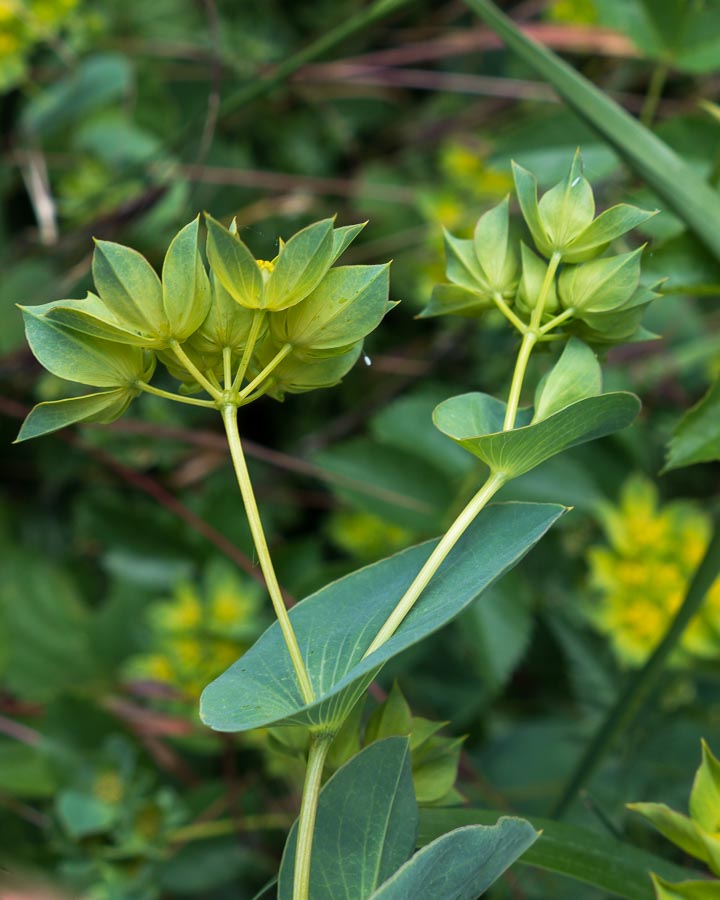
(642, 682)
(168, 395)
(193, 370)
(526, 347)
(558, 320)
(436, 558)
(256, 325)
(270, 367)
(319, 746)
(530, 338)
(227, 368)
(539, 308)
(508, 313)
(654, 94)
(229, 414)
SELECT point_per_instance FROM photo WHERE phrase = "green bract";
(79, 357)
(697, 834)
(132, 305)
(289, 326)
(295, 272)
(478, 268)
(347, 305)
(563, 220)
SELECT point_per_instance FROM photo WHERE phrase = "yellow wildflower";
(640, 579)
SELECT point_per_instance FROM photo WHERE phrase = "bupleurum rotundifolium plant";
(249, 327)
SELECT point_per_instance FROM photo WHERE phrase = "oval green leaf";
(365, 829)
(475, 422)
(462, 864)
(589, 857)
(335, 626)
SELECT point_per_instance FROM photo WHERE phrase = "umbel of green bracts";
(434, 758)
(294, 324)
(697, 834)
(597, 297)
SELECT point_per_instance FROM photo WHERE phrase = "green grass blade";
(684, 191)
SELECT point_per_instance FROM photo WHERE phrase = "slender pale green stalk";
(319, 746)
(558, 320)
(227, 368)
(526, 347)
(269, 368)
(194, 371)
(168, 395)
(514, 319)
(436, 558)
(256, 325)
(642, 682)
(229, 414)
(530, 338)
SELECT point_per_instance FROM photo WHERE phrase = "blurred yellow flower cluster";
(25, 23)
(641, 576)
(197, 634)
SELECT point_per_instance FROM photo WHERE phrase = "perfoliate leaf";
(621, 324)
(130, 289)
(462, 266)
(92, 316)
(345, 307)
(79, 357)
(335, 626)
(492, 248)
(301, 264)
(526, 190)
(462, 864)
(575, 376)
(299, 373)
(600, 285)
(185, 285)
(343, 237)
(475, 422)
(234, 265)
(102, 407)
(566, 210)
(608, 226)
(365, 828)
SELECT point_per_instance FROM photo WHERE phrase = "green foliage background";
(122, 549)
